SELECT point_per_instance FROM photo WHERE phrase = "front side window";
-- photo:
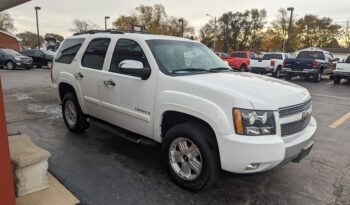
(185, 57)
(272, 56)
(68, 50)
(95, 53)
(127, 49)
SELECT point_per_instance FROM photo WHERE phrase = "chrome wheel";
(70, 113)
(9, 65)
(185, 158)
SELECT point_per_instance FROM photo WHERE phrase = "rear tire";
(191, 171)
(336, 79)
(73, 117)
(288, 76)
(317, 77)
(277, 73)
(244, 68)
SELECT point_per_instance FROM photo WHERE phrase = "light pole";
(214, 29)
(182, 26)
(291, 9)
(106, 17)
(37, 24)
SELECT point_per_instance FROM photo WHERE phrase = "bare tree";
(79, 26)
(6, 22)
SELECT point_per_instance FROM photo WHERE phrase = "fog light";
(252, 166)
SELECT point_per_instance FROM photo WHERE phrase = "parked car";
(223, 56)
(176, 92)
(11, 59)
(40, 57)
(342, 71)
(269, 63)
(241, 60)
(310, 62)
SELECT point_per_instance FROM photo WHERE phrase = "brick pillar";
(7, 194)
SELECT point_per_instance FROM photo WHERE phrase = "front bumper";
(24, 64)
(237, 152)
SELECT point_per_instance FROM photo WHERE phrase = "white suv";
(178, 93)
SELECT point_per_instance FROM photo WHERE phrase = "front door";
(128, 101)
(89, 72)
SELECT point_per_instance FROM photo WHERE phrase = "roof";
(338, 50)
(6, 4)
(11, 35)
(313, 49)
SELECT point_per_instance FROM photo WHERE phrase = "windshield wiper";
(191, 70)
(220, 69)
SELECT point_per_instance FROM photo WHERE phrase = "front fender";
(192, 105)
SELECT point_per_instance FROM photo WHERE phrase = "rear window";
(239, 55)
(272, 56)
(68, 50)
(311, 55)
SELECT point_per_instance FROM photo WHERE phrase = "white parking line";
(330, 96)
(329, 83)
(340, 121)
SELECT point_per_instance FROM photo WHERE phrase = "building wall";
(9, 42)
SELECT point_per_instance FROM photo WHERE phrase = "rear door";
(89, 72)
(330, 64)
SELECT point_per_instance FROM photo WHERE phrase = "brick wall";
(9, 42)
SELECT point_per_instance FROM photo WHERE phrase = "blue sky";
(56, 16)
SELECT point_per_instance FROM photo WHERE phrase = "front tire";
(10, 65)
(49, 65)
(191, 155)
(288, 76)
(73, 117)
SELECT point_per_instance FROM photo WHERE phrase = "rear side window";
(239, 55)
(272, 56)
(95, 53)
(68, 50)
(127, 50)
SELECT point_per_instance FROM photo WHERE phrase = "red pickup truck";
(240, 60)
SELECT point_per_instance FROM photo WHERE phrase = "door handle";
(109, 83)
(78, 75)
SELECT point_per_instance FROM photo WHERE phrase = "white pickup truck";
(177, 93)
(269, 63)
(342, 71)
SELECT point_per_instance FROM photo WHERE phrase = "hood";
(262, 92)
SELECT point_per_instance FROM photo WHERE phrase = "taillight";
(272, 63)
(314, 64)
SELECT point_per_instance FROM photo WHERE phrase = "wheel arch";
(64, 88)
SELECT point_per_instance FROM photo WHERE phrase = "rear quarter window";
(69, 50)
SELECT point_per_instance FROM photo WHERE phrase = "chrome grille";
(294, 127)
(292, 110)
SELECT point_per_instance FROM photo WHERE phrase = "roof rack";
(112, 31)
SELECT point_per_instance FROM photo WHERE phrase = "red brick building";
(8, 40)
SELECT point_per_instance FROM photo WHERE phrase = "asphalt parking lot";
(103, 169)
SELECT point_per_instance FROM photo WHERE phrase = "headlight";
(254, 123)
(18, 58)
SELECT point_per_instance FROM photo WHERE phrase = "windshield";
(11, 52)
(239, 55)
(185, 57)
(272, 56)
(311, 55)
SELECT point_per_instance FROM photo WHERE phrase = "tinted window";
(127, 50)
(348, 59)
(252, 56)
(68, 50)
(11, 52)
(311, 55)
(27, 52)
(239, 55)
(95, 53)
(272, 56)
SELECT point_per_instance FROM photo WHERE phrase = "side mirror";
(134, 68)
(336, 59)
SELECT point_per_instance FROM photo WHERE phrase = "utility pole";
(37, 24)
(215, 31)
(291, 9)
(182, 26)
(106, 17)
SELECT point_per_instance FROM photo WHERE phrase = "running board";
(130, 136)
